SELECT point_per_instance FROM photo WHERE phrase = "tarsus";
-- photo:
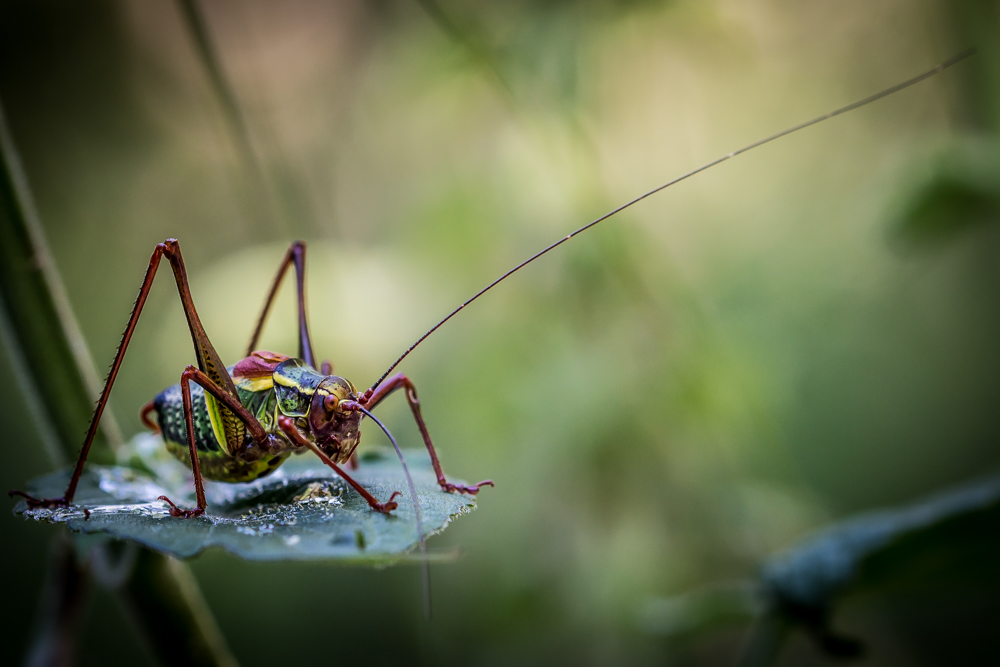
(795, 128)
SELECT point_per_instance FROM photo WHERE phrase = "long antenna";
(425, 564)
(795, 128)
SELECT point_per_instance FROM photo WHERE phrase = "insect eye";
(331, 402)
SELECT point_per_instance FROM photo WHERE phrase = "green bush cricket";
(240, 423)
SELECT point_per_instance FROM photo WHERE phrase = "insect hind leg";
(208, 359)
(296, 255)
(257, 432)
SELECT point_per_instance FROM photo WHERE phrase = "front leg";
(392, 384)
(288, 426)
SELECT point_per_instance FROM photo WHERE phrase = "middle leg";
(288, 426)
(257, 432)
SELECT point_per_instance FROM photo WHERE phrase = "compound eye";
(331, 402)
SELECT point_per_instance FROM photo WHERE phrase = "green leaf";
(947, 539)
(950, 537)
(301, 512)
(935, 538)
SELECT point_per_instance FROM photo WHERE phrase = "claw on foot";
(35, 503)
(176, 511)
(388, 505)
(461, 488)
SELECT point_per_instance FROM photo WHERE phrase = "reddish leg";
(146, 420)
(208, 361)
(288, 426)
(257, 432)
(296, 255)
(392, 384)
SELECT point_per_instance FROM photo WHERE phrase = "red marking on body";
(259, 364)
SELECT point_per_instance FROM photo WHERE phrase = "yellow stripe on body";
(285, 381)
(255, 385)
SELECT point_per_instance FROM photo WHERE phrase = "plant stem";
(764, 640)
(165, 602)
(44, 337)
(51, 359)
(258, 191)
(60, 607)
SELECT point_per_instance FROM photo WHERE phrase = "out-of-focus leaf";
(964, 548)
(962, 193)
(942, 532)
(953, 535)
(303, 511)
(948, 538)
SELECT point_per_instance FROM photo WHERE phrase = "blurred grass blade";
(701, 611)
(162, 596)
(46, 338)
(62, 602)
(47, 347)
(30, 392)
(264, 210)
(472, 42)
(764, 641)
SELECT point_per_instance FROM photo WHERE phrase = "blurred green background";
(802, 333)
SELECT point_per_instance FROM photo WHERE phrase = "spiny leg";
(257, 432)
(288, 426)
(199, 484)
(392, 384)
(208, 361)
(296, 255)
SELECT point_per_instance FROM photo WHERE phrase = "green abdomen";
(215, 462)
